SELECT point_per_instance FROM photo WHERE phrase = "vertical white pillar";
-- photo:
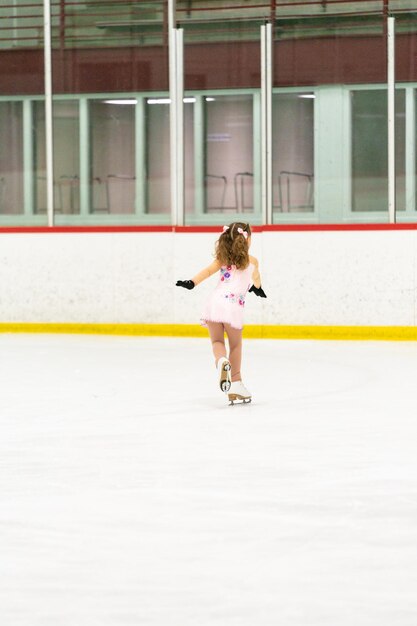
(180, 125)
(263, 126)
(391, 117)
(172, 51)
(176, 93)
(48, 112)
(269, 81)
(266, 123)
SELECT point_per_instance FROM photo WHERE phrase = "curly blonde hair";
(232, 247)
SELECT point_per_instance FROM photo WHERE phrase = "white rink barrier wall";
(362, 280)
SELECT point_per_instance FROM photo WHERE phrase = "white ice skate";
(239, 393)
(224, 369)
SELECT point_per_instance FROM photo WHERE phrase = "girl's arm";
(206, 272)
(256, 277)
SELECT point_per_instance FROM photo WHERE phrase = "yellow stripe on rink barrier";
(146, 330)
(345, 333)
(341, 333)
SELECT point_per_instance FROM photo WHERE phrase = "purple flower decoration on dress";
(235, 299)
(225, 273)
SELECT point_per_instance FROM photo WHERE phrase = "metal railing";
(104, 23)
(289, 180)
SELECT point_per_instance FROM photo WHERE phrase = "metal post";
(176, 91)
(172, 57)
(172, 22)
(180, 125)
(266, 122)
(391, 117)
(269, 80)
(263, 127)
(48, 113)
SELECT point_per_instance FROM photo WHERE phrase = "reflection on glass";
(112, 182)
(229, 176)
(293, 152)
(370, 150)
(11, 158)
(158, 155)
(415, 146)
(66, 157)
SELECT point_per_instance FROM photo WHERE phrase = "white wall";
(323, 278)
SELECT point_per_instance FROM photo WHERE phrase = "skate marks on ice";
(131, 493)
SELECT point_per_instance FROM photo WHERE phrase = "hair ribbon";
(225, 228)
(242, 232)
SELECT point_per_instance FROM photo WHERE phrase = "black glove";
(258, 291)
(187, 284)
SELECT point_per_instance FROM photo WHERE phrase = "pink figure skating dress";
(226, 303)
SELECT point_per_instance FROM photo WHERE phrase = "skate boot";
(224, 369)
(239, 393)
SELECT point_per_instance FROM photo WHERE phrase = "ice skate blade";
(235, 398)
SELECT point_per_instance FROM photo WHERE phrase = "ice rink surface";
(133, 495)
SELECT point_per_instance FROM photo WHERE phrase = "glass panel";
(11, 158)
(229, 154)
(158, 155)
(115, 25)
(115, 52)
(406, 72)
(414, 143)
(293, 152)
(66, 157)
(370, 150)
(21, 24)
(222, 71)
(317, 54)
(39, 160)
(329, 153)
(21, 76)
(112, 181)
(189, 187)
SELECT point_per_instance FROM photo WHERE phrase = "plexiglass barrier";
(326, 145)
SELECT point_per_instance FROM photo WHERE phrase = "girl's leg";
(216, 330)
(235, 353)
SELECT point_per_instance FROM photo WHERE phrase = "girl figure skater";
(223, 311)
